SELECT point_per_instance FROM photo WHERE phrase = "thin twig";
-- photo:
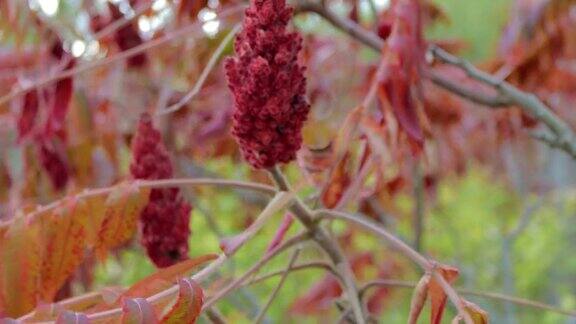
(88, 193)
(125, 20)
(326, 242)
(254, 268)
(276, 290)
(463, 291)
(191, 30)
(204, 75)
(419, 208)
(298, 267)
(215, 316)
(427, 265)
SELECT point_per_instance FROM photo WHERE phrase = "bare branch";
(204, 75)
(255, 268)
(276, 290)
(151, 184)
(303, 266)
(190, 30)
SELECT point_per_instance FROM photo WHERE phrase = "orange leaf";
(437, 295)
(20, 267)
(169, 275)
(97, 210)
(347, 131)
(419, 299)
(188, 305)
(138, 311)
(123, 208)
(64, 241)
(337, 183)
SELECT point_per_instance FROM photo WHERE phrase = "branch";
(88, 193)
(214, 316)
(204, 75)
(257, 266)
(303, 266)
(419, 206)
(188, 31)
(562, 136)
(489, 295)
(326, 242)
(497, 101)
(276, 290)
(427, 265)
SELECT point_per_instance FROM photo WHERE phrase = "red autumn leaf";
(128, 37)
(62, 96)
(52, 154)
(437, 296)
(28, 113)
(397, 90)
(403, 60)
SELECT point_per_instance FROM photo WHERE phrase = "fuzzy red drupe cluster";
(268, 86)
(165, 220)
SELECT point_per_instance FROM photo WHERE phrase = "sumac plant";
(262, 161)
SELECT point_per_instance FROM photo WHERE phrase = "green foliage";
(478, 23)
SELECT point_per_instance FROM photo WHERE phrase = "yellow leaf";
(64, 241)
(478, 315)
(123, 208)
(188, 305)
(96, 207)
(20, 267)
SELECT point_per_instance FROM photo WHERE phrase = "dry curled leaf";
(437, 296)
(187, 308)
(137, 311)
(419, 299)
